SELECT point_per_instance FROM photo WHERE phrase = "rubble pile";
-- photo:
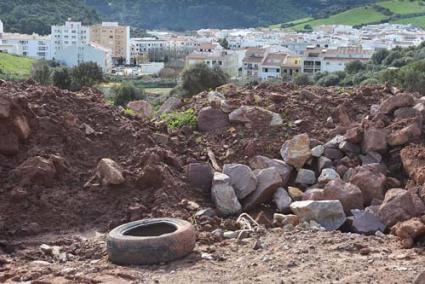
(366, 177)
(68, 160)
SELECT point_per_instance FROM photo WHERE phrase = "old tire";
(150, 241)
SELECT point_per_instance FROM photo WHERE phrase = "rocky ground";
(299, 160)
(298, 256)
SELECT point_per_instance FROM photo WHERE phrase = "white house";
(72, 34)
(72, 56)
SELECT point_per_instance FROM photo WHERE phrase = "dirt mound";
(320, 112)
(50, 143)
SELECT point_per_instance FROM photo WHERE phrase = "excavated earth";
(52, 140)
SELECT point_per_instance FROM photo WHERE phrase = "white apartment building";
(72, 34)
(35, 46)
(92, 52)
(141, 46)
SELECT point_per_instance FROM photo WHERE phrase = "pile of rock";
(354, 180)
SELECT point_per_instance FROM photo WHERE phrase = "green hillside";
(15, 67)
(392, 11)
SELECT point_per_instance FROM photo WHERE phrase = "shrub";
(200, 77)
(127, 93)
(62, 78)
(354, 67)
(302, 79)
(40, 72)
(329, 80)
(178, 119)
(379, 56)
(86, 75)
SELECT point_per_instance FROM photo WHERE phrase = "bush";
(329, 80)
(62, 78)
(40, 72)
(127, 93)
(302, 79)
(354, 67)
(178, 119)
(379, 56)
(86, 75)
(200, 77)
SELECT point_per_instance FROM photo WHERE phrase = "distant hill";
(387, 11)
(29, 16)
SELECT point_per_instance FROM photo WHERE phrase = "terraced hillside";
(392, 11)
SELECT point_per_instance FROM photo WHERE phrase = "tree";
(354, 67)
(126, 93)
(328, 80)
(86, 75)
(62, 78)
(40, 72)
(200, 77)
(168, 73)
(224, 43)
(302, 79)
(379, 56)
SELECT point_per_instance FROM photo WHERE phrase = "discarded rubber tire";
(150, 241)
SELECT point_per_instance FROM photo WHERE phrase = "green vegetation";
(176, 120)
(129, 112)
(28, 16)
(200, 78)
(353, 17)
(41, 72)
(127, 93)
(14, 67)
(401, 67)
(86, 75)
(393, 11)
(403, 6)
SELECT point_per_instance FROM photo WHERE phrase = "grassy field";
(417, 21)
(15, 67)
(403, 7)
(356, 16)
(368, 14)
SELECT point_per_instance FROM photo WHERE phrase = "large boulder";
(394, 102)
(408, 231)
(404, 135)
(413, 159)
(296, 151)
(370, 181)
(141, 108)
(282, 200)
(242, 179)
(109, 172)
(255, 116)
(268, 181)
(211, 118)
(305, 177)
(200, 176)
(400, 205)
(328, 175)
(351, 196)
(171, 104)
(223, 196)
(36, 170)
(365, 222)
(328, 213)
(262, 162)
(375, 139)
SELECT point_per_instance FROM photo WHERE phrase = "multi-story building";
(332, 60)
(144, 45)
(72, 34)
(115, 37)
(35, 46)
(252, 63)
(213, 55)
(92, 52)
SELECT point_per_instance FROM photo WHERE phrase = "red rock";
(397, 101)
(375, 139)
(211, 118)
(370, 181)
(408, 231)
(36, 170)
(399, 205)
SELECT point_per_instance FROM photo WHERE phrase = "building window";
(266, 70)
(278, 70)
